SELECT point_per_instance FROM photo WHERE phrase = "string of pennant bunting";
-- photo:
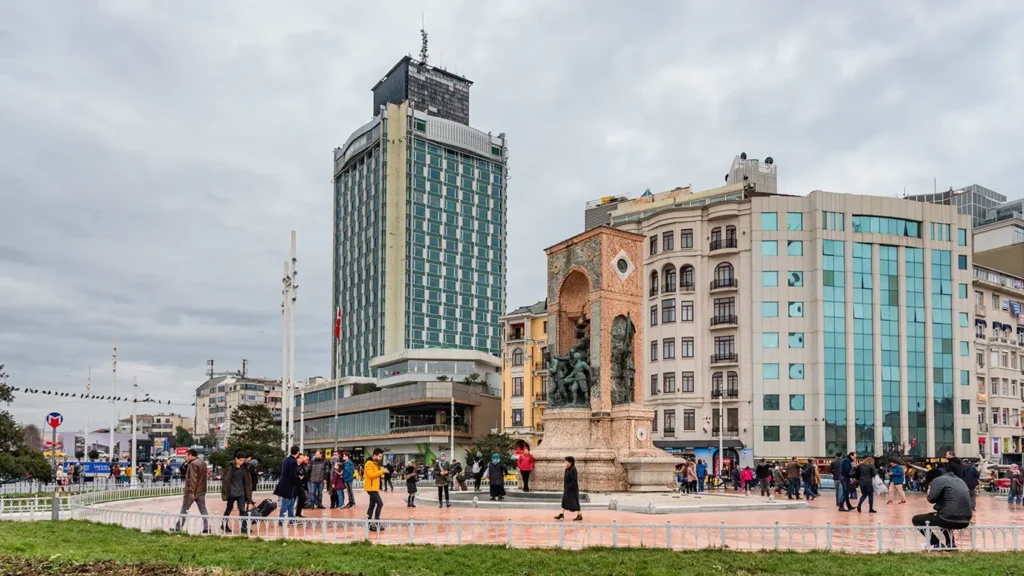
(83, 396)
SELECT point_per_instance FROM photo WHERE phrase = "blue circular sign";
(54, 419)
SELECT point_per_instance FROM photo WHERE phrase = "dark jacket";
(835, 467)
(845, 468)
(289, 479)
(442, 479)
(195, 477)
(864, 474)
(496, 474)
(971, 477)
(951, 498)
(793, 470)
(763, 472)
(318, 471)
(571, 490)
(229, 474)
(348, 472)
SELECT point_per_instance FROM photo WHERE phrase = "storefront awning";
(692, 444)
(1020, 329)
(980, 322)
(997, 325)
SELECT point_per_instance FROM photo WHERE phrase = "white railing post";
(412, 531)
(458, 530)
(615, 534)
(722, 533)
(828, 535)
(668, 535)
(776, 534)
(509, 541)
(561, 535)
(878, 535)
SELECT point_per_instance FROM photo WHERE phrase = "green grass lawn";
(85, 542)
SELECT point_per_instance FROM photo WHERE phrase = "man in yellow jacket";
(373, 472)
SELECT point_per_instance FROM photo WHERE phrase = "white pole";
(291, 336)
(451, 425)
(284, 359)
(110, 447)
(135, 401)
(302, 421)
(88, 402)
(721, 436)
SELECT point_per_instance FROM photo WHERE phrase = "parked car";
(827, 482)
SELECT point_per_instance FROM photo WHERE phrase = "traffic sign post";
(54, 420)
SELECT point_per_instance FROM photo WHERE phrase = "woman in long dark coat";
(496, 477)
(570, 491)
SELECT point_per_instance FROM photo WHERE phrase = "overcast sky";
(155, 156)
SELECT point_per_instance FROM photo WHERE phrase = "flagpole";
(88, 403)
(291, 344)
(284, 360)
(135, 448)
(337, 375)
(110, 448)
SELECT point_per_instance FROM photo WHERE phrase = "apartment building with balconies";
(524, 373)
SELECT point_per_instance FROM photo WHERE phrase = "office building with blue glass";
(420, 204)
(880, 292)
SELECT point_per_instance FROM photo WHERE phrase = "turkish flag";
(337, 325)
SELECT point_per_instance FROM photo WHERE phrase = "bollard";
(55, 506)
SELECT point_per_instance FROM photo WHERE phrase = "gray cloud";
(155, 156)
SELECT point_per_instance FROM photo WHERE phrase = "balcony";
(540, 397)
(428, 429)
(725, 358)
(724, 321)
(669, 289)
(728, 243)
(686, 288)
(730, 393)
(724, 284)
(654, 291)
(669, 433)
(729, 432)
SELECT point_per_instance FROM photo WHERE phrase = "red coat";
(526, 462)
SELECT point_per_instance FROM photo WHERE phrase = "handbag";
(878, 485)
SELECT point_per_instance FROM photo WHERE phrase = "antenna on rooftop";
(423, 47)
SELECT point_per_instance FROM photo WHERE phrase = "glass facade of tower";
(863, 350)
(916, 360)
(834, 284)
(889, 307)
(455, 217)
(942, 350)
(359, 259)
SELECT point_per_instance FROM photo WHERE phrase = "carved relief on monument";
(623, 364)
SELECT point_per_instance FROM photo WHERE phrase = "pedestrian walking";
(348, 476)
(459, 475)
(526, 467)
(334, 464)
(778, 478)
(478, 471)
(1016, 485)
(735, 478)
(971, 478)
(337, 486)
(896, 480)
(285, 489)
(747, 479)
(864, 475)
(442, 474)
(236, 489)
(411, 478)
(691, 477)
(793, 479)
(763, 473)
(389, 473)
(195, 490)
(843, 483)
(952, 502)
(702, 475)
(496, 477)
(807, 476)
(372, 474)
(570, 491)
(302, 499)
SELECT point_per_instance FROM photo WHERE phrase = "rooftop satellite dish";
(743, 155)
(769, 160)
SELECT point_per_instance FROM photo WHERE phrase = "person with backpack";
(236, 489)
(411, 478)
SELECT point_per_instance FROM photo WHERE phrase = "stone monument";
(594, 412)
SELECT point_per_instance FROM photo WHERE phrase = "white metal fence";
(570, 535)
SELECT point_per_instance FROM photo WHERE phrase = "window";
(654, 422)
(654, 315)
(965, 378)
(689, 420)
(725, 308)
(964, 319)
(965, 435)
(995, 301)
(979, 298)
(797, 433)
(965, 406)
(771, 433)
(796, 371)
(965, 349)
(883, 225)
(794, 221)
(517, 357)
(770, 402)
(670, 279)
(723, 274)
(769, 309)
(963, 291)
(686, 238)
(795, 278)
(833, 221)
(668, 382)
(686, 348)
(770, 372)
(686, 277)
(769, 221)
(961, 262)
(725, 346)
(686, 310)
(668, 348)
(796, 309)
(517, 387)
(654, 384)
(670, 422)
(769, 278)
(730, 236)
(770, 340)
(796, 402)
(654, 350)
(517, 416)
(668, 311)
(686, 382)
(654, 281)
(769, 248)
(796, 339)
(961, 237)
(716, 238)
(667, 241)
(795, 248)
(654, 245)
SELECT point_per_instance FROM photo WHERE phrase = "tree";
(94, 454)
(33, 437)
(80, 455)
(364, 388)
(472, 379)
(183, 438)
(254, 424)
(501, 444)
(17, 457)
